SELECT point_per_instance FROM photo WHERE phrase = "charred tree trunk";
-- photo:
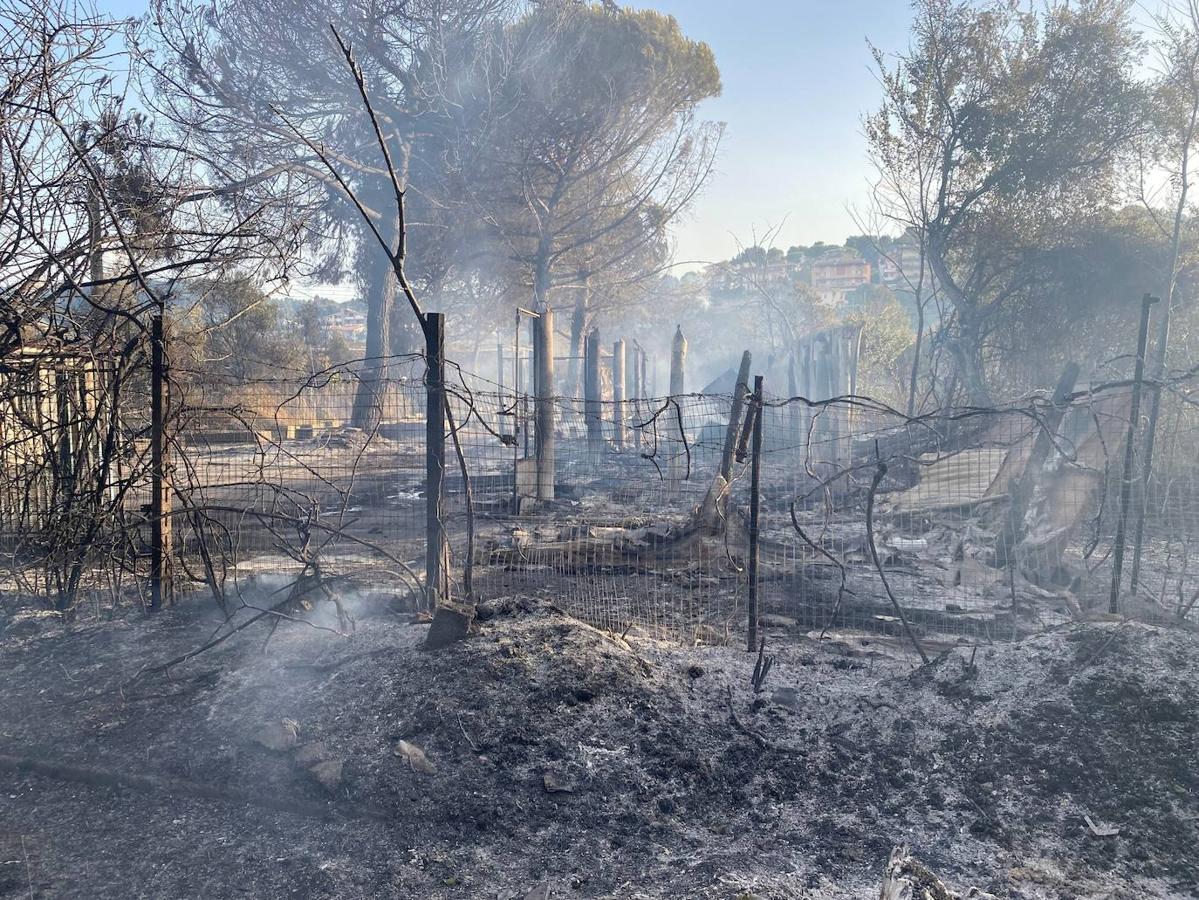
(914, 376)
(543, 364)
(965, 344)
(380, 298)
(405, 337)
(592, 406)
(578, 333)
(618, 377)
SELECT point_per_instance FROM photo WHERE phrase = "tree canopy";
(997, 139)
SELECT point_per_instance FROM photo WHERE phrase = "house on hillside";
(899, 268)
(834, 276)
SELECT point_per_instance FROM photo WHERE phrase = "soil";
(543, 758)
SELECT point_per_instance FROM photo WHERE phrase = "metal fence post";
(434, 327)
(1134, 416)
(755, 479)
(160, 498)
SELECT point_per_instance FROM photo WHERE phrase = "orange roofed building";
(833, 277)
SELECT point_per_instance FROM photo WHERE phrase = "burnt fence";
(975, 524)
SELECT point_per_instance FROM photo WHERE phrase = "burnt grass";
(565, 759)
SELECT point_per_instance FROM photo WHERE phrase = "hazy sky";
(797, 79)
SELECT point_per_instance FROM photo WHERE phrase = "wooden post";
(755, 480)
(1134, 416)
(836, 426)
(734, 428)
(1155, 405)
(618, 385)
(794, 421)
(519, 417)
(526, 417)
(855, 358)
(678, 385)
(631, 391)
(543, 408)
(160, 484)
(499, 365)
(678, 363)
(592, 408)
(520, 390)
(642, 384)
(434, 327)
(1022, 486)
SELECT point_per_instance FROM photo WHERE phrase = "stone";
(416, 757)
(450, 624)
(278, 736)
(328, 773)
(556, 784)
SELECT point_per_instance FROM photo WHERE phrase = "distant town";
(838, 277)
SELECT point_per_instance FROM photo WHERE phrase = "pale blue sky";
(797, 79)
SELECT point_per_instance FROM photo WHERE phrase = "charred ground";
(552, 755)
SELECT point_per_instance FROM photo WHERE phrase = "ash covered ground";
(543, 758)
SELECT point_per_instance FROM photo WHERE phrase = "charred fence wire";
(981, 524)
(981, 527)
(74, 458)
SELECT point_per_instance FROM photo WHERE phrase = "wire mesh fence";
(969, 523)
(986, 523)
(73, 457)
(289, 474)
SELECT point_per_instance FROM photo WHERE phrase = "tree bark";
(914, 377)
(381, 291)
(404, 334)
(592, 399)
(578, 331)
(966, 345)
(543, 356)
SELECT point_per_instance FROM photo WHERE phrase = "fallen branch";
(468, 568)
(276, 610)
(743, 728)
(832, 617)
